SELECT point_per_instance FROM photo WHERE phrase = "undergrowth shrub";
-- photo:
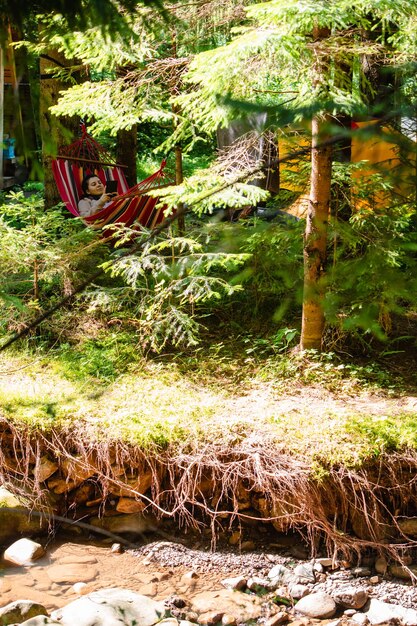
(167, 290)
(372, 274)
(42, 255)
(271, 276)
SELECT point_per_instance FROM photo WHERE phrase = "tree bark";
(55, 131)
(315, 240)
(179, 177)
(127, 145)
(315, 236)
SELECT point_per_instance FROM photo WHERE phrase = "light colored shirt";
(87, 207)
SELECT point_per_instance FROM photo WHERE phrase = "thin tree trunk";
(127, 145)
(315, 236)
(179, 177)
(55, 131)
(179, 171)
(315, 240)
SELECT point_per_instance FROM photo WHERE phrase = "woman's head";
(92, 185)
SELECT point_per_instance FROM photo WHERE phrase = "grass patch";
(311, 408)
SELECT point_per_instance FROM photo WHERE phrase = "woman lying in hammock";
(95, 196)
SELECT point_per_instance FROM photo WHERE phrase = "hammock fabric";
(86, 156)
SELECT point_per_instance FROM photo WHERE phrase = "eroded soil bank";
(217, 487)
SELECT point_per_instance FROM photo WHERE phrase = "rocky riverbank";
(261, 580)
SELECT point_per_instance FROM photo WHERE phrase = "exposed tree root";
(346, 511)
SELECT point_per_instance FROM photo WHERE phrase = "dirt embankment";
(218, 485)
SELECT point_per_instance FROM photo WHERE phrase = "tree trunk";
(179, 177)
(127, 145)
(315, 239)
(315, 236)
(55, 131)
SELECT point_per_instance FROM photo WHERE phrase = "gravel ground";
(257, 560)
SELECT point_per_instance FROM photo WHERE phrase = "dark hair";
(84, 183)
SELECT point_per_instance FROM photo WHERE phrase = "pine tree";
(313, 48)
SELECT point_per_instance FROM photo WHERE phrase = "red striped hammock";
(131, 206)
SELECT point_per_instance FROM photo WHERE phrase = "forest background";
(211, 309)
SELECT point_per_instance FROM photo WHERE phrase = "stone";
(360, 618)
(135, 523)
(189, 576)
(318, 567)
(258, 584)
(82, 494)
(280, 573)
(361, 571)
(71, 573)
(351, 597)
(405, 573)
(132, 486)
(130, 505)
(382, 612)
(244, 607)
(8, 499)
(381, 566)
(116, 548)
(23, 552)
(210, 618)
(61, 485)
(17, 522)
(316, 605)
(325, 562)
(229, 620)
(104, 608)
(374, 580)
(44, 468)
(304, 573)
(19, 611)
(247, 546)
(77, 470)
(177, 602)
(408, 525)
(238, 583)
(78, 559)
(40, 620)
(277, 619)
(235, 538)
(298, 591)
(81, 589)
(169, 621)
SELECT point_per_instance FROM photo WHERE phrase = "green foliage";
(384, 433)
(207, 190)
(374, 273)
(103, 357)
(39, 252)
(281, 341)
(168, 286)
(272, 277)
(326, 369)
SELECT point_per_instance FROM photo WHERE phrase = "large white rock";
(111, 607)
(23, 552)
(20, 610)
(317, 605)
(382, 612)
(40, 620)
